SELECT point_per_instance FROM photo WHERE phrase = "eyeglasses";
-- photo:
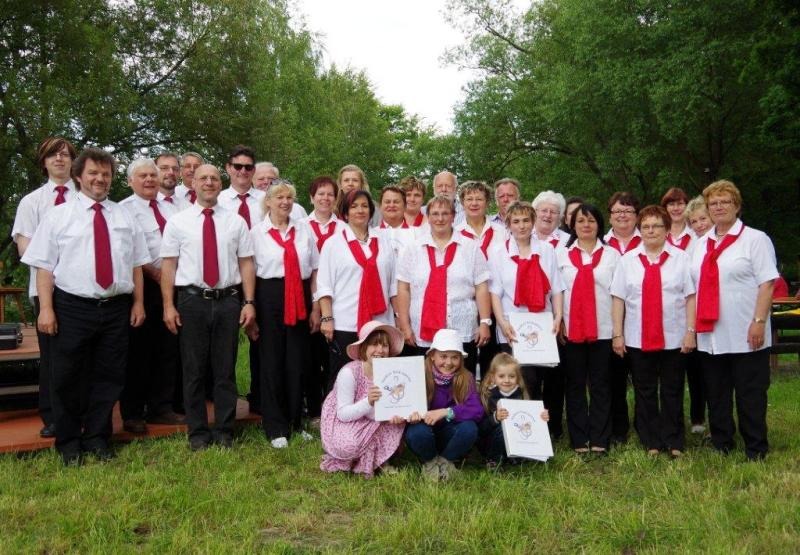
(619, 211)
(653, 227)
(549, 211)
(245, 167)
(720, 203)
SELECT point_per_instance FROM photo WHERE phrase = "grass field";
(158, 497)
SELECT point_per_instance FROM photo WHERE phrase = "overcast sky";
(399, 44)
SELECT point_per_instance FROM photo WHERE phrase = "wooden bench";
(782, 342)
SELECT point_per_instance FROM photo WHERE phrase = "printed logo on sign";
(523, 423)
(529, 332)
(395, 384)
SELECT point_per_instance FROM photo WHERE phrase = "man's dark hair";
(96, 155)
(242, 150)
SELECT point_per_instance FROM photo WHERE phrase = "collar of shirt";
(87, 203)
(267, 225)
(735, 229)
(464, 226)
(350, 236)
(610, 234)
(51, 186)
(313, 217)
(143, 201)
(597, 245)
(197, 208)
(456, 237)
(160, 197)
(232, 193)
(640, 250)
(686, 231)
(536, 246)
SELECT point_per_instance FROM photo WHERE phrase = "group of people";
(135, 297)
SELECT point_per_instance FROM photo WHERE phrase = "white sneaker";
(280, 443)
(306, 436)
(698, 428)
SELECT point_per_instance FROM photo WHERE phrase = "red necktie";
(418, 220)
(487, 239)
(322, 237)
(294, 306)
(532, 285)
(103, 268)
(684, 242)
(159, 218)
(61, 196)
(708, 284)
(632, 244)
(192, 196)
(652, 307)
(582, 302)
(370, 293)
(210, 262)
(244, 210)
(434, 303)
(169, 199)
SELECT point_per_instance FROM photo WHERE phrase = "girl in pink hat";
(353, 441)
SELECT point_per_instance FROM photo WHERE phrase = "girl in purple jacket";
(448, 430)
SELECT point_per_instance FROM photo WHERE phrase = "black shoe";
(48, 431)
(198, 444)
(169, 417)
(135, 426)
(619, 440)
(224, 441)
(72, 458)
(102, 454)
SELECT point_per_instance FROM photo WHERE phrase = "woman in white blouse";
(733, 267)
(587, 266)
(653, 295)
(549, 207)
(356, 279)
(286, 260)
(540, 289)
(680, 234)
(443, 282)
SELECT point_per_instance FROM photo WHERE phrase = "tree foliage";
(593, 97)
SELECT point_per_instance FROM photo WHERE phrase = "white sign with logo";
(402, 384)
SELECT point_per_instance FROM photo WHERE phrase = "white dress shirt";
(504, 275)
(183, 238)
(269, 254)
(229, 200)
(399, 237)
(183, 192)
(64, 245)
(676, 285)
(743, 266)
(468, 270)
(627, 247)
(323, 227)
(603, 275)
(559, 236)
(141, 211)
(31, 210)
(339, 277)
(499, 234)
(687, 231)
(180, 202)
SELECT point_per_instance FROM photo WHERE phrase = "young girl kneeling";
(503, 381)
(353, 441)
(450, 427)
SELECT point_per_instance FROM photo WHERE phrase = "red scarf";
(294, 306)
(418, 221)
(708, 285)
(532, 284)
(632, 244)
(582, 303)
(434, 303)
(682, 244)
(370, 293)
(652, 308)
(554, 242)
(487, 239)
(322, 237)
(384, 225)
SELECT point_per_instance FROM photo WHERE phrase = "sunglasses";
(245, 167)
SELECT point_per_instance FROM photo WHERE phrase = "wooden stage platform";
(19, 430)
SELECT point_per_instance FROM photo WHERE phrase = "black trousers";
(658, 388)
(745, 376)
(316, 380)
(337, 352)
(697, 396)
(89, 351)
(152, 365)
(547, 385)
(488, 351)
(254, 395)
(45, 370)
(209, 337)
(619, 369)
(586, 368)
(285, 357)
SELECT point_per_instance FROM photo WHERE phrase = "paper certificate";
(536, 342)
(402, 383)
(525, 433)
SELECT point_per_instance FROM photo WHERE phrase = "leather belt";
(210, 294)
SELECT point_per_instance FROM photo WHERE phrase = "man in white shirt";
(169, 168)
(207, 254)
(190, 161)
(153, 354)
(268, 174)
(88, 254)
(55, 156)
(446, 184)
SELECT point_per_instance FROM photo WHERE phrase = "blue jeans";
(451, 440)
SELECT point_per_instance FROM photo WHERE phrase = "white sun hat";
(447, 340)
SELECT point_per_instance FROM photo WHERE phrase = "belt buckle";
(210, 294)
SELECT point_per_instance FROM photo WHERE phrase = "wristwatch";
(487, 321)
(758, 320)
(248, 301)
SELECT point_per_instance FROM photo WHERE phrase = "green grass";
(158, 497)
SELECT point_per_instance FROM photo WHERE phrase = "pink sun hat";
(395, 338)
